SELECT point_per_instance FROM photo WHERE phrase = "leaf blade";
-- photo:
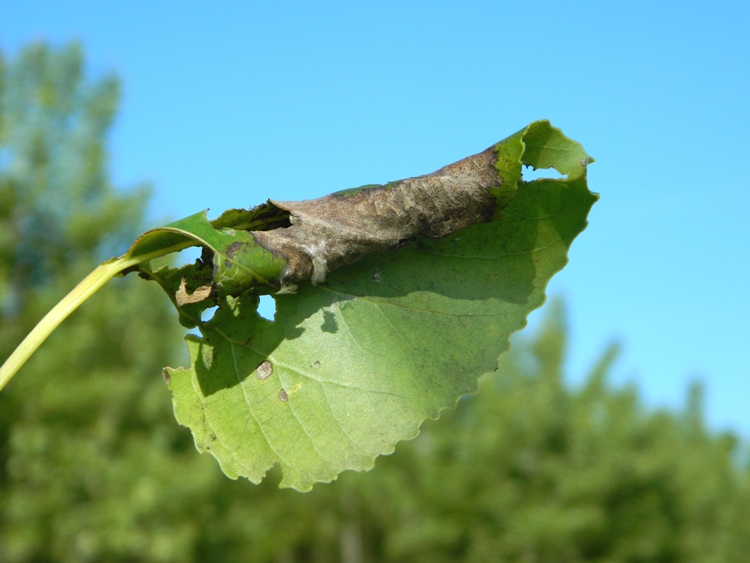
(359, 362)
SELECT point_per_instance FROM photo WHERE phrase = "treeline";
(93, 466)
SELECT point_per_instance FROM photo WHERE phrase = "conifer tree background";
(93, 466)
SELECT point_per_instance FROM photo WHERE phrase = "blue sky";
(230, 103)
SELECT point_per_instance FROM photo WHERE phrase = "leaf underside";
(355, 363)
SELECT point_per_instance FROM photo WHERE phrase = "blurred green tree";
(93, 466)
(527, 470)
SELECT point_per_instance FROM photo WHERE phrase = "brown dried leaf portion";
(339, 229)
(182, 297)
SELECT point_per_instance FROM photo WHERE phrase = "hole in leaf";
(187, 255)
(208, 313)
(530, 174)
(267, 307)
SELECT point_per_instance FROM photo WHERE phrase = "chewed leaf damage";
(390, 301)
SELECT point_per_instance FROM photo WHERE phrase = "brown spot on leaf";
(264, 370)
(182, 297)
(283, 396)
(234, 248)
(166, 376)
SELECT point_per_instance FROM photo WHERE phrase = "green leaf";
(391, 301)
(354, 364)
(234, 263)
